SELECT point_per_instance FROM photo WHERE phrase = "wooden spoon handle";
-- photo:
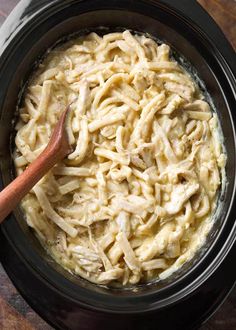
(57, 148)
(18, 188)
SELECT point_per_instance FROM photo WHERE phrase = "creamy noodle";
(135, 198)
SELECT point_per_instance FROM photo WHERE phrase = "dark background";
(15, 314)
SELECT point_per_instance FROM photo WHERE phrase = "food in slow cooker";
(135, 198)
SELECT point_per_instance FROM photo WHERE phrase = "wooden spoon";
(58, 148)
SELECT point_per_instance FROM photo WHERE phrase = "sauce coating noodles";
(135, 198)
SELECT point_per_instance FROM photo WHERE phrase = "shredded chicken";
(181, 193)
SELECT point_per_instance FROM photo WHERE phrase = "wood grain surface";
(15, 313)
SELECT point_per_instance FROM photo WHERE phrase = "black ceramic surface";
(187, 298)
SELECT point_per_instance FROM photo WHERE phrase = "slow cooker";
(189, 296)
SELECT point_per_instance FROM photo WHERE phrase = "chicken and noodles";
(135, 198)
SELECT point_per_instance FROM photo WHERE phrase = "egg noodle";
(135, 198)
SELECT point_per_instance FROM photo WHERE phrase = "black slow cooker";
(189, 296)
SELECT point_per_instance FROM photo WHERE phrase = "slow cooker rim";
(7, 233)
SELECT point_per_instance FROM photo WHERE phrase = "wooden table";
(15, 313)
